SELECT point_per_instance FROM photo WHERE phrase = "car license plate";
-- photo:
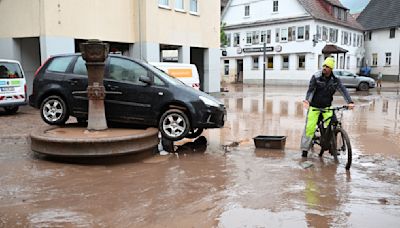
(7, 89)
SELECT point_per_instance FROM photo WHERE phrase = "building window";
(263, 36)
(369, 35)
(193, 6)
(307, 32)
(348, 62)
(324, 33)
(354, 39)
(290, 34)
(285, 62)
(248, 38)
(255, 63)
(268, 36)
(319, 32)
(256, 37)
(270, 62)
(300, 33)
(374, 59)
(392, 33)
(284, 35)
(247, 10)
(388, 60)
(179, 4)
(275, 6)
(236, 39)
(228, 39)
(163, 3)
(277, 35)
(302, 62)
(333, 35)
(341, 62)
(226, 67)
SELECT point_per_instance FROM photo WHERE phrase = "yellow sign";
(180, 73)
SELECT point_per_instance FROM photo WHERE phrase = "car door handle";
(73, 82)
(111, 87)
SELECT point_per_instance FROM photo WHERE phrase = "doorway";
(239, 72)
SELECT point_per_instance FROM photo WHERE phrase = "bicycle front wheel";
(343, 147)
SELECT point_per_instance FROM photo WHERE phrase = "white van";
(12, 86)
(187, 73)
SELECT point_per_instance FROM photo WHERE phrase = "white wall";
(380, 43)
(55, 45)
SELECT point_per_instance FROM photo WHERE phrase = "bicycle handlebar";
(344, 107)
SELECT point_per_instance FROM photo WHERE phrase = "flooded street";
(228, 184)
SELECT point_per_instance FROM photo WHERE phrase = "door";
(78, 81)
(131, 100)
(239, 74)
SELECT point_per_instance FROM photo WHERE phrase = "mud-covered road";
(229, 183)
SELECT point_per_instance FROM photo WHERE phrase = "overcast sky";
(355, 6)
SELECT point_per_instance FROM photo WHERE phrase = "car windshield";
(164, 75)
(10, 70)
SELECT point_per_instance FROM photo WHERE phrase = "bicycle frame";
(324, 140)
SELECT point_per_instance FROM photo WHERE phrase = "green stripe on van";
(15, 82)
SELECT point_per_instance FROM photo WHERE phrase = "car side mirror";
(145, 79)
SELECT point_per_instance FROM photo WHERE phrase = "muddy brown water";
(228, 183)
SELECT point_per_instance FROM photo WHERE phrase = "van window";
(60, 64)
(126, 70)
(80, 67)
(10, 70)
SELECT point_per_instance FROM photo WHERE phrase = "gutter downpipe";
(140, 31)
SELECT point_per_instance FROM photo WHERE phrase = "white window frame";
(236, 39)
(284, 35)
(388, 58)
(255, 65)
(194, 3)
(163, 4)
(263, 37)
(246, 10)
(180, 7)
(319, 32)
(374, 61)
(298, 33)
(324, 33)
(268, 37)
(255, 37)
(249, 36)
(228, 39)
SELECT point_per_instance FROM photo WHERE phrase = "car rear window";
(60, 64)
(10, 70)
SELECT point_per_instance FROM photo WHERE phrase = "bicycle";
(338, 143)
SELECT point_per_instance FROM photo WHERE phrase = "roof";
(380, 14)
(330, 48)
(318, 12)
(315, 8)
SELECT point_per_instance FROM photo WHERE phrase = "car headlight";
(208, 101)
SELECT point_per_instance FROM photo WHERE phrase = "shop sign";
(258, 49)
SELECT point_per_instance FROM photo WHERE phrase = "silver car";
(351, 80)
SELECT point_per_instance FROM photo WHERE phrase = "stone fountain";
(97, 139)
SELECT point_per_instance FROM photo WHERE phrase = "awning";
(333, 49)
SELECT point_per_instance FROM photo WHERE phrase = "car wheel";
(194, 133)
(53, 110)
(363, 86)
(11, 109)
(174, 124)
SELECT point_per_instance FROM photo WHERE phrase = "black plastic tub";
(271, 142)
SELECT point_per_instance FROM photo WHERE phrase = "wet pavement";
(225, 183)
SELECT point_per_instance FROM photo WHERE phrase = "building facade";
(137, 28)
(381, 22)
(298, 34)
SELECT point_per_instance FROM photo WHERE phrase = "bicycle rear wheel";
(343, 147)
